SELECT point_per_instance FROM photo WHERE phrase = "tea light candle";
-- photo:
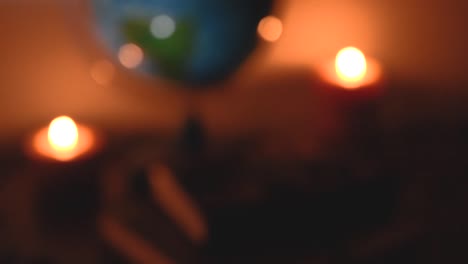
(63, 140)
(355, 83)
(56, 178)
(353, 75)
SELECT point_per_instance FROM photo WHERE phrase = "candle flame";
(62, 140)
(351, 66)
(63, 133)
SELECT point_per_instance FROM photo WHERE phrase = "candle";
(353, 75)
(355, 83)
(63, 140)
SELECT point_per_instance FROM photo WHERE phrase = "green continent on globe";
(170, 55)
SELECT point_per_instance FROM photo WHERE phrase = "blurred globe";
(196, 41)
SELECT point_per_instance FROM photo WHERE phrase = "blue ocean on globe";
(195, 41)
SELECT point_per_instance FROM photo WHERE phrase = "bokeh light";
(130, 55)
(63, 133)
(63, 140)
(351, 66)
(270, 28)
(162, 26)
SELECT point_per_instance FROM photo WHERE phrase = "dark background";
(284, 175)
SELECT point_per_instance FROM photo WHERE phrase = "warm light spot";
(102, 72)
(130, 55)
(351, 66)
(63, 133)
(62, 140)
(270, 28)
(162, 26)
(351, 70)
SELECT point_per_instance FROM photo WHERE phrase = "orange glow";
(314, 29)
(102, 72)
(352, 70)
(63, 140)
(351, 65)
(63, 134)
(270, 28)
(130, 55)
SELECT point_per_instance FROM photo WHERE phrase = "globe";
(196, 41)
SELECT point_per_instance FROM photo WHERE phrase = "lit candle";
(355, 83)
(354, 75)
(61, 167)
(63, 140)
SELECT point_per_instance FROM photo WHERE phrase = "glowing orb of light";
(63, 133)
(130, 55)
(351, 66)
(162, 26)
(270, 28)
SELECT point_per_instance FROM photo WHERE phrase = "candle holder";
(357, 85)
